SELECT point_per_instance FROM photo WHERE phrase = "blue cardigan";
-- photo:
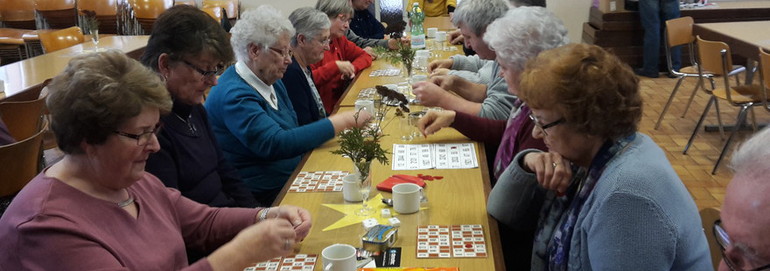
(264, 144)
(301, 94)
(638, 217)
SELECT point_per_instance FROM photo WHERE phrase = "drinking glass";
(366, 188)
(95, 38)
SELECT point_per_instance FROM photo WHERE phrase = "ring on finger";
(554, 164)
(286, 244)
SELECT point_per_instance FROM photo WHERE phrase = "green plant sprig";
(404, 54)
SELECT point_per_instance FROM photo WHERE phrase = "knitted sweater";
(263, 143)
(498, 103)
(639, 215)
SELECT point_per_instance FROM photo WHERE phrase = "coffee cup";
(339, 257)
(351, 188)
(406, 198)
(432, 32)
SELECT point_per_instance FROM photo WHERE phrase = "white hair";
(261, 26)
(308, 22)
(478, 14)
(523, 33)
(751, 158)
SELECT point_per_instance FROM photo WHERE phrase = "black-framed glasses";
(206, 74)
(542, 127)
(284, 54)
(142, 139)
(735, 263)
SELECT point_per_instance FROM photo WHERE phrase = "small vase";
(362, 170)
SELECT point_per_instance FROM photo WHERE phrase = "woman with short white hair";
(307, 46)
(251, 113)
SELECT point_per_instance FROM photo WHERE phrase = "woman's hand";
(346, 69)
(455, 37)
(441, 63)
(439, 72)
(553, 171)
(429, 93)
(370, 51)
(298, 217)
(434, 120)
(343, 120)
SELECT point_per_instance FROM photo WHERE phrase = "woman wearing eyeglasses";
(307, 46)
(250, 111)
(343, 60)
(612, 200)
(97, 208)
(187, 48)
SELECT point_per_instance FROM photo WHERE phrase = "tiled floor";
(694, 168)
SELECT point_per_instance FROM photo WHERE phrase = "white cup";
(421, 63)
(351, 188)
(339, 257)
(406, 198)
(432, 32)
(441, 36)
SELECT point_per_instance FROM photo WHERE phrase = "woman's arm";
(350, 52)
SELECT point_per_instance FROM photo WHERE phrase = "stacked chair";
(60, 39)
(106, 13)
(147, 11)
(57, 14)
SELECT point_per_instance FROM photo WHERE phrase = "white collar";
(263, 89)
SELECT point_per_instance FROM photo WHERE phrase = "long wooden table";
(22, 75)
(744, 38)
(459, 198)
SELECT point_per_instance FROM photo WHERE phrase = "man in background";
(364, 24)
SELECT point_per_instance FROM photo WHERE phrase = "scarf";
(508, 145)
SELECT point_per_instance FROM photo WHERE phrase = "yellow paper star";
(352, 218)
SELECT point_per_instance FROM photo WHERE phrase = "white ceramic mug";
(406, 198)
(351, 188)
(339, 257)
(432, 32)
(441, 36)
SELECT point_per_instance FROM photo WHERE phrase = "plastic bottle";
(418, 32)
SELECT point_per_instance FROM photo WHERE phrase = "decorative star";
(352, 218)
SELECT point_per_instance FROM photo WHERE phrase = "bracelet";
(263, 214)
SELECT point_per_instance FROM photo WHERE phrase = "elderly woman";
(517, 37)
(97, 209)
(307, 46)
(343, 60)
(613, 202)
(189, 158)
(251, 113)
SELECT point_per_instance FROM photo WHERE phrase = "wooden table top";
(443, 23)
(744, 38)
(28, 73)
(470, 185)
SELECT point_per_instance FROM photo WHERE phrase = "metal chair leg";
(719, 120)
(670, 99)
(741, 119)
(700, 122)
(692, 96)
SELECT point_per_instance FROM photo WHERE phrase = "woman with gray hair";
(518, 36)
(343, 60)
(98, 209)
(307, 46)
(250, 111)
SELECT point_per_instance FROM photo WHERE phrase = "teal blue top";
(263, 143)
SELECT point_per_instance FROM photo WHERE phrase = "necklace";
(189, 123)
(127, 202)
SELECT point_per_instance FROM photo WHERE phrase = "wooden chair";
(24, 118)
(18, 13)
(12, 44)
(231, 8)
(715, 56)
(215, 12)
(22, 161)
(58, 14)
(147, 11)
(185, 2)
(106, 14)
(60, 39)
(708, 216)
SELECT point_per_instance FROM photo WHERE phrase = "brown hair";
(592, 89)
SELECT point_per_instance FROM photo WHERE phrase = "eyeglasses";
(142, 139)
(326, 41)
(542, 127)
(735, 262)
(284, 54)
(206, 74)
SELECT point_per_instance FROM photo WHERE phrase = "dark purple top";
(5, 135)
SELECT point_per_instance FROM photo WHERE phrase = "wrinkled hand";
(346, 69)
(298, 217)
(440, 64)
(434, 120)
(370, 51)
(267, 239)
(439, 72)
(552, 170)
(393, 43)
(429, 93)
(455, 37)
(449, 82)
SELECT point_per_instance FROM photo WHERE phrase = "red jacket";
(326, 75)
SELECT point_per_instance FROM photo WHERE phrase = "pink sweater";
(53, 226)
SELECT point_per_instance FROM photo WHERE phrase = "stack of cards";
(385, 72)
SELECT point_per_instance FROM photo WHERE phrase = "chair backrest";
(60, 39)
(29, 94)
(23, 118)
(679, 31)
(101, 7)
(214, 12)
(18, 13)
(230, 6)
(710, 56)
(708, 216)
(764, 77)
(57, 13)
(185, 2)
(54, 4)
(21, 161)
(150, 9)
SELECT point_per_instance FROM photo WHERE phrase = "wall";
(573, 12)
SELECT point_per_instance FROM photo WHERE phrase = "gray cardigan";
(472, 68)
(498, 103)
(638, 217)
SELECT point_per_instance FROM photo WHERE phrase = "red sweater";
(326, 75)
